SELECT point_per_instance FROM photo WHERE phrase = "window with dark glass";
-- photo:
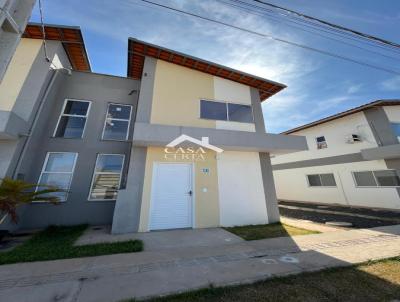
(396, 129)
(213, 110)
(321, 142)
(381, 178)
(321, 180)
(72, 121)
(240, 113)
(116, 126)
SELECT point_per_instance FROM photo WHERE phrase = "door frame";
(192, 182)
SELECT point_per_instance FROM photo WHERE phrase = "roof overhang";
(138, 50)
(70, 37)
(378, 103)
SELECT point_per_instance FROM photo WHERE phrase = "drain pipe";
(42, 97)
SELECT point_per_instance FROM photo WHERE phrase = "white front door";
(171, 197)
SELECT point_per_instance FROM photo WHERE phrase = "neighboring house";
(110, 141)
(14, 15)
(353, 159)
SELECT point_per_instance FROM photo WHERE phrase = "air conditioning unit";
(353, 138)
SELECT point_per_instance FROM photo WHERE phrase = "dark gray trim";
(257, 110)
(11, 125)
(127, 208)
(384, 152)
(146, 91)
(160, 135)
(380, 126)
(269, 188)
(332, 160)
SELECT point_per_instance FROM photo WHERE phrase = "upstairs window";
(396, 129)
(321, 180)
(382, 178)
(116, 125)
(226, 111)
(72, 120)
(321, 142)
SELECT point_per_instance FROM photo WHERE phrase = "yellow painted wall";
(177, 94)
(206, 205)
(17, 72)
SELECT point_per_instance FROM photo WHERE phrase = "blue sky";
(318, 86)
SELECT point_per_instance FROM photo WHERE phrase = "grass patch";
(375, 281)
(56, 242)
(262, 231)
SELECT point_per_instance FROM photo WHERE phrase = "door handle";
(190, 193)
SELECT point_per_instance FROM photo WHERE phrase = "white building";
(353, 159)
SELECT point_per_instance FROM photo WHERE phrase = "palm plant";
(14, 193)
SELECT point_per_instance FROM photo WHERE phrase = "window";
(213, 110)
(382, 178)
(116, 126)
(396, 129)
(72, 121)
(321, 142)
(57, 171)
(321, 180)
(240, 113)
(106, 177)
(226, 111)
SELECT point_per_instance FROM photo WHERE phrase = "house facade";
(106, 141)
(353, 159)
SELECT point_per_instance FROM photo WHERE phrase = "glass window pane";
(364, 179)
(119, 111)
(105, 186)
(71, 127)
(109, 163)
(314, 180)
(76, 107)
(116, 130)
(328, 180)
(60, 180)
(396, 129)
(388, 178)
(60, 162)
(240, 113)
(213, 110)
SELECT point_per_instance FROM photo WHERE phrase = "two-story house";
(353, 159)
(108, 141)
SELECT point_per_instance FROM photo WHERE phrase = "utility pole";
(14, 15)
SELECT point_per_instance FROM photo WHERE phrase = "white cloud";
(354, 88)
(392, 84)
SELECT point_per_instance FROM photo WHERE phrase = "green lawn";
(262, 231)
(56, 242)
(375, 281)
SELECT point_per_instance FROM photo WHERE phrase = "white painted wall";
(241, 190)
(291, 184)
(393, 113)
(232, 92)
(335, 133)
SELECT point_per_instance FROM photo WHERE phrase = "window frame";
(376, 180)
(72, 115)
(117, 119)
(44, 167)
(393, 125)
(320, 179)
(227, 111)
(316, 142)
(94, 174)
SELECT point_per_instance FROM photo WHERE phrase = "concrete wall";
(100, 90)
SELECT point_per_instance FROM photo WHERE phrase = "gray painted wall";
(101, 90)
(127, 208)
(380, 126)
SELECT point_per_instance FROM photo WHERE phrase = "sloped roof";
(377, 103)
(138, 50)
(70, 37)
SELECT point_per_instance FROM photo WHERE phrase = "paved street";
(152, 273)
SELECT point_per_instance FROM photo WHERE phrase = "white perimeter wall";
(241, 190)
(292, 184)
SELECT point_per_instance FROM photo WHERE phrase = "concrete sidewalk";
(152, 273)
